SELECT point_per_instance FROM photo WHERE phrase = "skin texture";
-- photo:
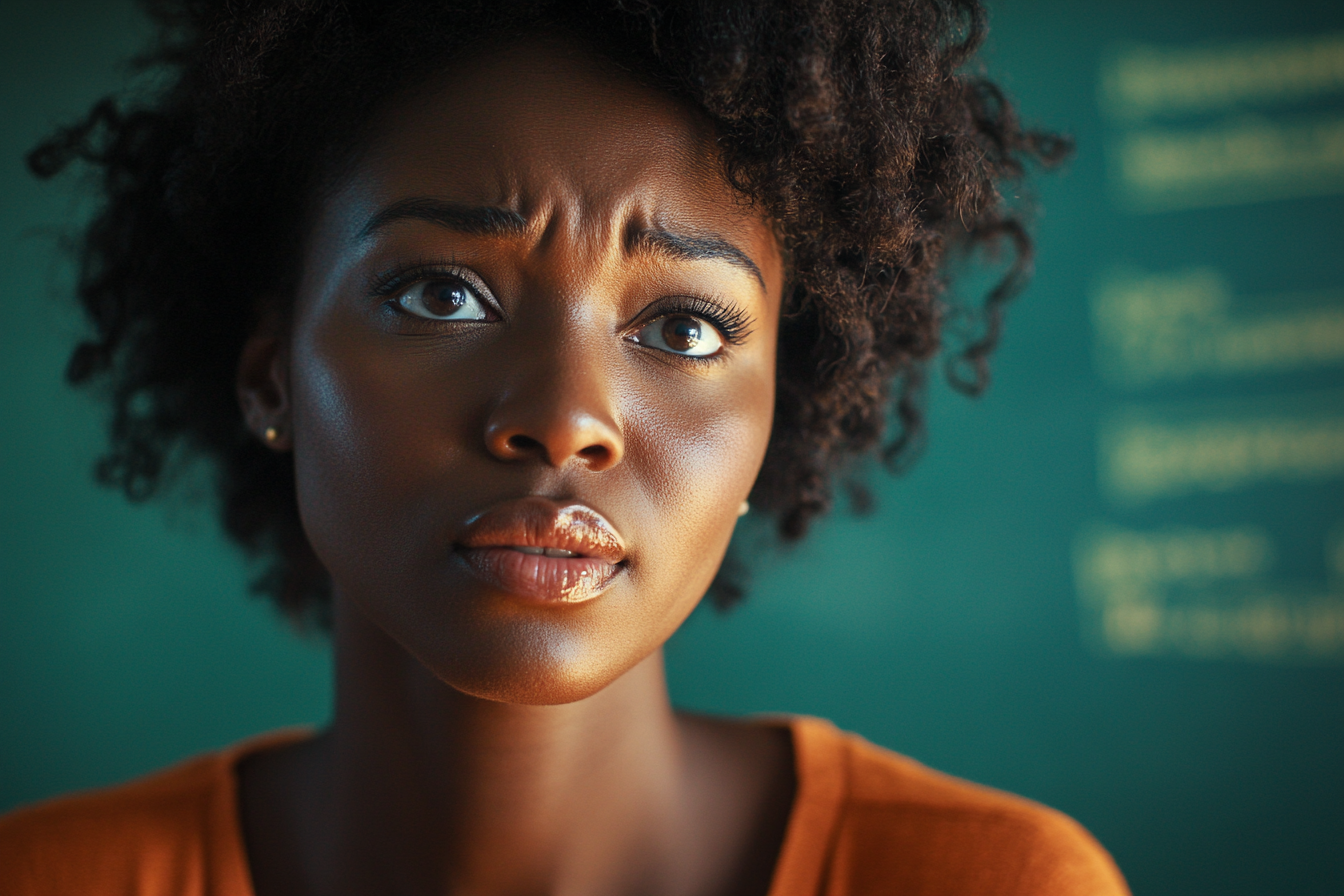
(483, 743)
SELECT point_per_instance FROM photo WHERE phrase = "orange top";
(865, 821)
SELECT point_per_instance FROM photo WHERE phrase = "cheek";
(362, 435)
(704, 455)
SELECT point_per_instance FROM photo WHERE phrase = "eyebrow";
(487, 220)
(477, 220)
(694, 248)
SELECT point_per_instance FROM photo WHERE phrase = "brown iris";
(446, 296)
(682, 334)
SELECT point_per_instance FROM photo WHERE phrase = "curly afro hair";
(854, 124)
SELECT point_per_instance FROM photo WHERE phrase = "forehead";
(548, 129)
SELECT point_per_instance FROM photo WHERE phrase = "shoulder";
(172, 832)
(104, 840)
(899, 822)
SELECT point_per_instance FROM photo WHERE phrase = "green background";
(950, 625)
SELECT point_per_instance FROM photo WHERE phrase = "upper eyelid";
(397, 276)
(734, 323)
(397, 279)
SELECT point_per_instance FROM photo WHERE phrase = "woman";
(493, 318)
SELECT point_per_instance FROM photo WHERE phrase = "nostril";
(556, 449)
(522, 444)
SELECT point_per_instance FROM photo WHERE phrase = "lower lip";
(540, 579)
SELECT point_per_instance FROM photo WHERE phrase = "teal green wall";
(1114, 584)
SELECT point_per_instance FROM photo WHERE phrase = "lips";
(543, 552)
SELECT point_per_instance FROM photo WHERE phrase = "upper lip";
(542, 523)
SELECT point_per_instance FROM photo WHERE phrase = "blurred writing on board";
(1145, 81)
(1216, 125)
(1220, 437)
(1203, 593)
(1144, 458)
(1175, 326)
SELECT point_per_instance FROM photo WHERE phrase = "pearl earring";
(742, 511)
(270, 435)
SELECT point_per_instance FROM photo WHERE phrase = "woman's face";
(532, 316)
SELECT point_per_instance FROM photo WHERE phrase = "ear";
(263, 383)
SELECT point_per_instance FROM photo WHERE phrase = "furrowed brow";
(476, 220)
(694, 248)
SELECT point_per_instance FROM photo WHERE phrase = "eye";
(681, 334)
(444, 298)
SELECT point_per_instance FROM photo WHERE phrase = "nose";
(558, 413)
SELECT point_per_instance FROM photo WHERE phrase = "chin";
(539, 669)
(542, 689)
(544, 658)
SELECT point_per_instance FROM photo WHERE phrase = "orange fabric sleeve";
(868, 821)
(173, 833)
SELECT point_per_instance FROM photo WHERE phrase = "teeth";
(548, 552)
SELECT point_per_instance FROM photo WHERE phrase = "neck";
(420, 789)
(452, 793)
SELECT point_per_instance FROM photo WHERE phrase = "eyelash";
(732, 322)
(395, 279)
